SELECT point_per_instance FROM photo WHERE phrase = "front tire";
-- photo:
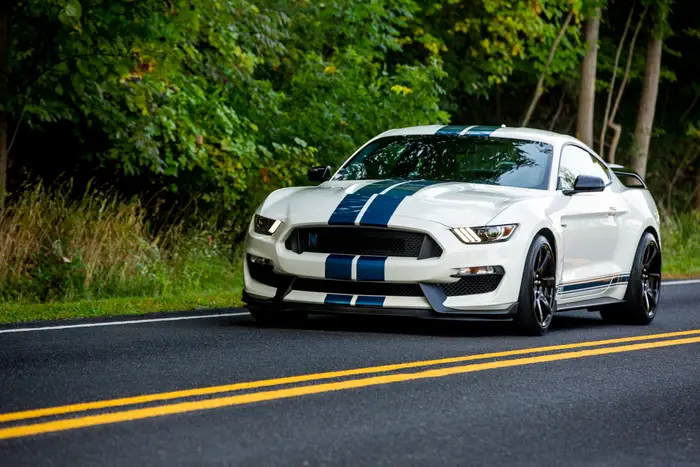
(643, 289)
(537, 303)
(276, 318)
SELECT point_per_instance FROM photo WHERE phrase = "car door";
(588, 221)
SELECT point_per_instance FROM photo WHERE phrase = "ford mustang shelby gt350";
(459, 222)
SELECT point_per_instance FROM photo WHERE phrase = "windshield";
(492, 161)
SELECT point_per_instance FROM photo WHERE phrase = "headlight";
(487, 234)
(264, 225)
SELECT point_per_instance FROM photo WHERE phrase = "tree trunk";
(4, 33)
(584, 124)
(617, 129)
(647, 103)
(606, 116)
(540, 83)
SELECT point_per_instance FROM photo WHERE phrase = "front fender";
(532, 217)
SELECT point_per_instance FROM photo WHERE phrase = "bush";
(680, 239)
(54, 247)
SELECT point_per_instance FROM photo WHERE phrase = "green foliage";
(681, 245)
(342, 102)
(484, 42)
(55, 248)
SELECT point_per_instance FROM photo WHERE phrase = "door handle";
(612, 211)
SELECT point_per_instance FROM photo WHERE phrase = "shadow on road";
(437, 328)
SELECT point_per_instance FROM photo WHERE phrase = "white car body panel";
(595, 235)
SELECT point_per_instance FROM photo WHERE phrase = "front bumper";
(427, 274)
(324, 309)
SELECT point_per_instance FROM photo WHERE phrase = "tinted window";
(574, 162)
(493, 161)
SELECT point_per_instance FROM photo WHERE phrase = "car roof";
(492, 131)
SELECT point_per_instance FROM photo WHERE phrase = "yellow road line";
(103, 404)
(183, 407)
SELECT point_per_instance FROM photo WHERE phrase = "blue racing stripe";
(369, 301)
(337, 299)
(379, 213)
(482, 130)
(339, 267)
(352, 204)
(451, 130)
(585, 285)
(596, 283)
(370, 268)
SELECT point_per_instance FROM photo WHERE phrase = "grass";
(680, 239)
(66, 256)
(97, 254)
(25, 312)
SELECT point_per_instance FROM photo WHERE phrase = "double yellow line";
(432, 369)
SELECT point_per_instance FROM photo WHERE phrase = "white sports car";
(459, 222)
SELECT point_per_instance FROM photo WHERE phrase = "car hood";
(452, 204)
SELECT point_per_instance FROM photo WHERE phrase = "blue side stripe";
(337, 299)
(370, 268)
(481, 130)
(339, 267)
(346, 212)
(370, 301)
(595, 283)
(451, 130)
(379, 213)
(585, 285)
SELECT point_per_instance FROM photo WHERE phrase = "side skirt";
(594, 302)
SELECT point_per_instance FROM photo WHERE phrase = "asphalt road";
(632, 401)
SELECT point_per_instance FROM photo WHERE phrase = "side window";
(574, 162)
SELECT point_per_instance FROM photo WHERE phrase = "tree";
(584, 125)
(539, 89)
(650, 90)
(610, 121)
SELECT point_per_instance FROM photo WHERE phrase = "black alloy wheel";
(651, 278)
(643, 289)
(537, 303)
(544, 286)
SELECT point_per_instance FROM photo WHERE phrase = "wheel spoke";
(548, 281)
(538, 307)
(652, 299)
(646, 299)
(545, 261)
(652, 250)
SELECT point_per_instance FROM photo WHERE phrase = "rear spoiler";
(628, 177)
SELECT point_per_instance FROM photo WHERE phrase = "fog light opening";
(478, 271)
(259, 260)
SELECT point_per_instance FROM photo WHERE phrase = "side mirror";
(319, 174)
(586, 184)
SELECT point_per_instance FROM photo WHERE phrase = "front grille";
(358, 288)
(363, 241)
(472, 285)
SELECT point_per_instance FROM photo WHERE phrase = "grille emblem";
(313, 239)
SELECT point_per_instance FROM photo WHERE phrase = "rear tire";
(643, 289)
(537, 303)
(275, 318)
